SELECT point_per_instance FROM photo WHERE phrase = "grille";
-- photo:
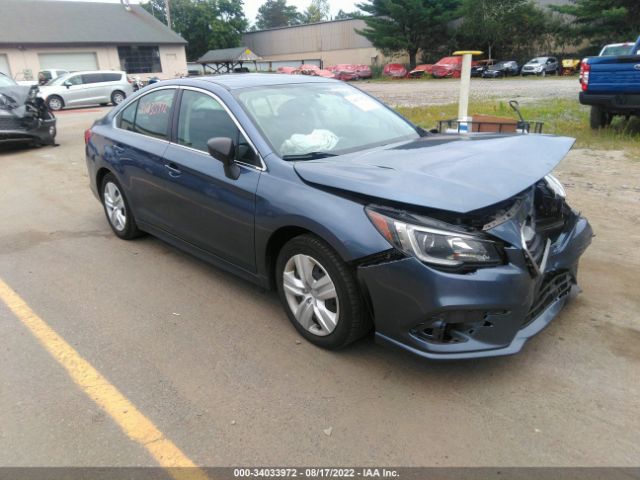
(553, 287)
(10, 123)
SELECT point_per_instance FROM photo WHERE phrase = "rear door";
(94, 89)
(138, 144)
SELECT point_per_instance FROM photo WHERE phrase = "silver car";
(86, 88)
(541, 66)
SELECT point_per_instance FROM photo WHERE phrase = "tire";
(116, 208)
(334, 315)
(118, 97)
(543, 73)
(599, 118)
(104, 104)
(55, 103)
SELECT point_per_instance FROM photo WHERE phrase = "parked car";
(420, 70)
(502, 69)
(350, 71)
(541, 66)
(86, 88)
(24, 117)
(44, 77)
(616, 49)
(449, 67)
(394, 70)
(611, 86)
(357, 217)
(481, 66)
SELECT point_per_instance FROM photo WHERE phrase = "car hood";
(456, 173)
(15, 99)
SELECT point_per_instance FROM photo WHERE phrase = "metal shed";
(226, 60)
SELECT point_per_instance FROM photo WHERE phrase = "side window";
(153, 112)
(202, 118)
(92, 78)
(75, 80)
(111, 77)
(128, 117)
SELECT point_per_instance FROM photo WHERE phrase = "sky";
(251, 6)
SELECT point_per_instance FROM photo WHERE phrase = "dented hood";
(447, 172)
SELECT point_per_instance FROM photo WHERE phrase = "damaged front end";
(24, 117)
(477, 284)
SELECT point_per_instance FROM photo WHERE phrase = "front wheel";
(117, 97)
(55, 103)
(320, 294)
(117, 210)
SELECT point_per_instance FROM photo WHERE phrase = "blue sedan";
(449, 246)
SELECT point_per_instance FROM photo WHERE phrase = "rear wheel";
(319, 293)
(117, 210)
(599, 118)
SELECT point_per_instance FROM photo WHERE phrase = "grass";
(561, 117)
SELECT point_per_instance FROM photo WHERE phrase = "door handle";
(173, 170)
(118, 149)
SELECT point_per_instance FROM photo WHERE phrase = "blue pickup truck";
(611, 85)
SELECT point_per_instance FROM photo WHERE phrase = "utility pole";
(167, 4)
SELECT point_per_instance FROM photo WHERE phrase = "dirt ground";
(415, 93)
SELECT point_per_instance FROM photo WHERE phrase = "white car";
(44, 77)
(86, 88)
(616, 49)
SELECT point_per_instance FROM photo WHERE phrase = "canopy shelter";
(227, 60)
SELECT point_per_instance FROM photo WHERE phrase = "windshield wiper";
(309, 156)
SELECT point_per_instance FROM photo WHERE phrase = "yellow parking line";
(132, 422)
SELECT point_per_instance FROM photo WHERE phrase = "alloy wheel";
(311, 295)
(114, 204)
(55, 103)
(118, 98)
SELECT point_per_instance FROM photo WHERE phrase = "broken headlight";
(435, 245)
(555, 186)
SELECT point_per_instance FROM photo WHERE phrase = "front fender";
(284, 200)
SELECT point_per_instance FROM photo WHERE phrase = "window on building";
(140, 59)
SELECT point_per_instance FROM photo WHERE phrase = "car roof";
(93, 71)
(234, 81)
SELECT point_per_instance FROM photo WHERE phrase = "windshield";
(6, 81)
(322, 118)
(538, 60)
(625, 49)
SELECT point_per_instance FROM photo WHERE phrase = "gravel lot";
(414, 93)
(215, 364)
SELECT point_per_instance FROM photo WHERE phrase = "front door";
(208, 209)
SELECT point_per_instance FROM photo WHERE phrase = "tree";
(396, 26)
(204, 24)
(603, 21)
(276, 13)
(503, 28)
(342, 15)
(318, 11)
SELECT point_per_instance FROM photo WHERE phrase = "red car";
(421, 70)
(349, 71)
(449, 67)
(394, 70)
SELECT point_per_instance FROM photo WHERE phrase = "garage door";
(68, 61)
(4, 65)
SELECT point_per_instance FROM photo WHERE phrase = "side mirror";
(67, 84)
(223, 149)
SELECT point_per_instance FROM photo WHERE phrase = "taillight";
(585, 68)
(87, 136)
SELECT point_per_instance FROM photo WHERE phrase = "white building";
(37, 35)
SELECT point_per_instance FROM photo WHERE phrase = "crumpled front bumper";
(489, 312)
(38, 132)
